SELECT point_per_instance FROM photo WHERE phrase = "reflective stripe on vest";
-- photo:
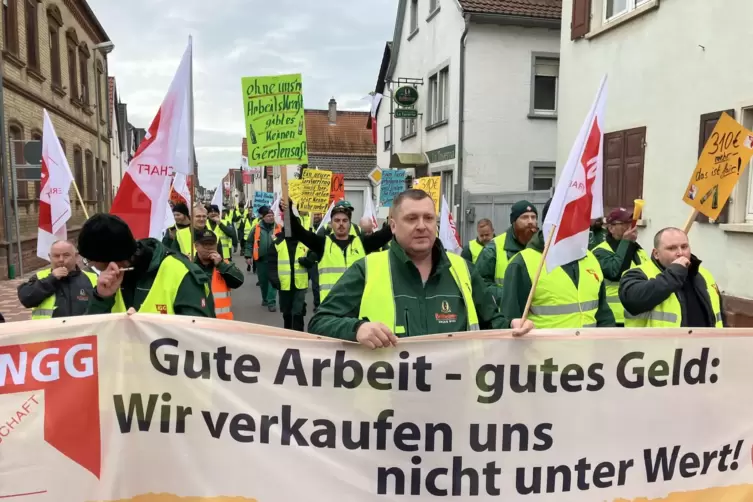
(476, 249)
(283, 266)
(45, 309)
(257, 239)
(334, 263)
(613, 287)
(557, 303)
(161, 296)
(502, 261)
(668, 314)
(378, 299)
(221, 294)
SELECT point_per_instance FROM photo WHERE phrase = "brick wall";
(25, 98)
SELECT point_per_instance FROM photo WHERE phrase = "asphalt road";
(247, 301)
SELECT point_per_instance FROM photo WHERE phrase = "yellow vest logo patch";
(162, 309)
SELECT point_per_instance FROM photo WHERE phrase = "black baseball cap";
(205, 236)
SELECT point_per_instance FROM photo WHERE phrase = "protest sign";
(140, 408)
(724, 158)
(393, 182)
(315, 190)
(294, 190)
(262, 199)
(431, 185)
(337, 188)
(274, 118)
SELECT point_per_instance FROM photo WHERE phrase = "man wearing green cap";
(493, 260)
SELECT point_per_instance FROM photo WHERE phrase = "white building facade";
(671, 69)
(486, 73)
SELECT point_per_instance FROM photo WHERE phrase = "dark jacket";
(230, 273)
(266, 240)
(416, 304)
(316, 242)
(191, 299)
(517, 286)
(273, 261)
(614, 264)
(72, 293)
(486, 265)
(638, 294)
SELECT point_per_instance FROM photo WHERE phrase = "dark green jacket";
(416, 304)
(266, 240)
(614, 264)
(486, 265)
(518, 285)
(136, 285)
(596, 237)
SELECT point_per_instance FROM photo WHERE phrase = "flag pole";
(538, 273)
(191, 149)
(80, 199)
(285, 214)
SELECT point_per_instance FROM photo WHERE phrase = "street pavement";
(246, 301)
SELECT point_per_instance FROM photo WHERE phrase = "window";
(623, 167)
(83, 63)
(544, 85)
(387, 137)
(36, 135)
(705, 128)
(91, 182)
(10, 26)
(409, 128)
(542, 175)
(615, 8)
(72, 67)
(413, 16)
(32, 34)
(102, 99)
(446, 188)
(16, 134)
(54, 23)
(438, 97)
(78, 167)
(62, 145)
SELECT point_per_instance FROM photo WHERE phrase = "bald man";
(62, 290)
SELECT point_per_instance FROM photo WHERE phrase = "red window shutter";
(707, 123)
(581, 22)
(614, 160)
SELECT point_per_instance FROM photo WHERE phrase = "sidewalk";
(10, 307)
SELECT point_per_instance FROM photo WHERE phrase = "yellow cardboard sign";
(295, 187)
(315, 189)
(431, 185)
(724, 158)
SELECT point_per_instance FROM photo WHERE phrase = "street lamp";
(104, 48)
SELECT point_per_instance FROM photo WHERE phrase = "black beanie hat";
(181, 208)
(520, 208)
(106, 238)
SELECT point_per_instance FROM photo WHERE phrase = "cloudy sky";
(336, 44)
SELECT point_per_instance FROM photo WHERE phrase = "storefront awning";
(407, 160)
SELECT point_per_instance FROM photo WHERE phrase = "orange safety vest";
(257, 238)
(221, 294)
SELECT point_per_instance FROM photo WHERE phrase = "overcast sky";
(336, 44)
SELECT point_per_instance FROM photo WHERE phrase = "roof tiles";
(548, 9)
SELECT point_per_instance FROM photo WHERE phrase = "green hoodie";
(486, 265)
(337, 316)
(266, 240)
(518, 285)
(191, 299)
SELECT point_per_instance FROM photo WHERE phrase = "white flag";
(180, 185)
(327, 217)
(217, 198)
(169, 218)
(54, 185)
(368, 209)
(578, 195)
(447, 232)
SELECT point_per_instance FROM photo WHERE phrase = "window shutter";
(707, 123)
(581, 21)
(614, 159)
(632, 181)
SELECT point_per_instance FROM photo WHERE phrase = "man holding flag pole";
(556, 282)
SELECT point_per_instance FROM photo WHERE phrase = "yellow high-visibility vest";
(225, 239)
(334, 263)
(668, 314)
(476, 249)
(502, 261)
(613, 287)
(557, 302)
(377, 301)
(45, 309)
(301, 274)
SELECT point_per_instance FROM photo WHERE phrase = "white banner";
(157, 408)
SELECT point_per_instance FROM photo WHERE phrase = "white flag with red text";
(368, 209)
(166, 149)
(375, 100)
(180, 185)
(54, 185)
(448, 234)
(578, 196)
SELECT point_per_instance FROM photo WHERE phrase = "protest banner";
(315, 190)
(168, 409)
(337, 188)
(393, 182)
(262, 199)
(274, 118)
(431, 185)
(723, 159)
(294, 190)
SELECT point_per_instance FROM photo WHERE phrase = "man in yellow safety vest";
(222, 273)
(672, 290)
(224, 231)
(288, 273)
(142, 276)
(485, 234)
(178, 237)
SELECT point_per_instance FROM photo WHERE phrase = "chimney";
(332, 112)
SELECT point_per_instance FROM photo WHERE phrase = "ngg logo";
(46, 364)
(67, 372)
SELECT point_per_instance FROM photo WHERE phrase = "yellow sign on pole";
(724, 158)
(274, 118)
(315, 188)
(295, 187)
(431, 185)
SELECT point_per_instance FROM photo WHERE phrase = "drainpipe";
(461, 125)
